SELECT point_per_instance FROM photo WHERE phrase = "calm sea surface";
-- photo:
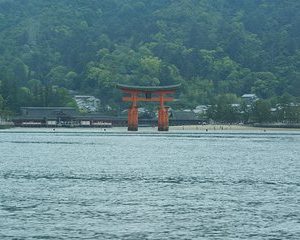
(96, 184)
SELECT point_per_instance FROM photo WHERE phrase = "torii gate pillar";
(133, 114)
(150, 94)
(163, 115)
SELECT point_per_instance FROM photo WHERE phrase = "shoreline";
(229, 127)
(209, 128)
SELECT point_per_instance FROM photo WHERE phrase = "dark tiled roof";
(47, 112)
(48, 108)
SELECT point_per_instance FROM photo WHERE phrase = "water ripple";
(93, 185)
(146, 179)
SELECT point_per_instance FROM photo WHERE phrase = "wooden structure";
(148, 94)
(64, 117)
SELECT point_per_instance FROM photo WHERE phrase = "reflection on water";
(95, 184)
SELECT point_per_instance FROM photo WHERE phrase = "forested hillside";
(212, 47)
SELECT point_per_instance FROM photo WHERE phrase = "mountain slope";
(212, 47)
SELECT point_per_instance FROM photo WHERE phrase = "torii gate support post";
(133, 114)
(163, 116)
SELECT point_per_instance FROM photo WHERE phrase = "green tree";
(225, 109)
(1, 103)
(265, 84)
(262, 111)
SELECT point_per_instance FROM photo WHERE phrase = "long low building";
(69, 117)
(63, 117)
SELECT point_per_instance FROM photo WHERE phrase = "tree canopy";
(211, 47)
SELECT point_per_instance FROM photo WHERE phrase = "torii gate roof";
(148, 88)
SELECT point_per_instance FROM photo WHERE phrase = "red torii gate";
(148, 94)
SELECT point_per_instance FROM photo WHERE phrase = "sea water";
(97, 184)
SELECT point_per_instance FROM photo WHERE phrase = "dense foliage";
(212, 47)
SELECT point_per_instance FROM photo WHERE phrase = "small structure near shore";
(87, 103)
